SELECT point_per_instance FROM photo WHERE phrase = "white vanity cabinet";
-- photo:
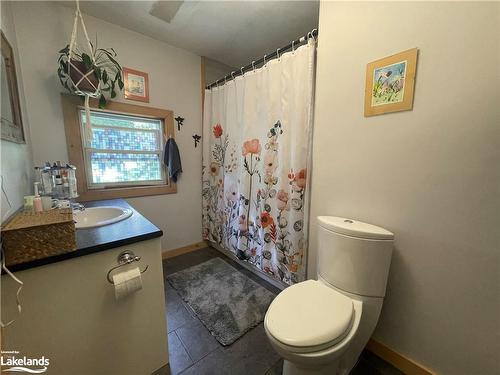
(70, 315)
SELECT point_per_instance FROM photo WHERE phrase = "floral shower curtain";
(256, 143)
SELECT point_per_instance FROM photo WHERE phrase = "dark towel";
(172, 159)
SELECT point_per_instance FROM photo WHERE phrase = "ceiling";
(231, 32)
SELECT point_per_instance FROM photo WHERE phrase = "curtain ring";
(241, 70)
(232, 74)
(278, 53)
(253, 65)
(293, 47)
(265, 60)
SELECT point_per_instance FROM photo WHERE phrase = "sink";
(98, 216)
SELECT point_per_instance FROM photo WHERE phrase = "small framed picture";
(136, 85)
(390, 83)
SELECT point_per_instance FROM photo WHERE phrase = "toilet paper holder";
(124, 258)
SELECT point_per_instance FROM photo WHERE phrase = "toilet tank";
(354, 256)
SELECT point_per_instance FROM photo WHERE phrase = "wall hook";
(179, 120)
(196, 138)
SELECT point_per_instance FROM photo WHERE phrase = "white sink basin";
(98, 216)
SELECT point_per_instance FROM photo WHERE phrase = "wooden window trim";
(71, 105)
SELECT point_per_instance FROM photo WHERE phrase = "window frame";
(72, 106)
(87, 151)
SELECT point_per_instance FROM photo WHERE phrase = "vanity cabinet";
(70, 315)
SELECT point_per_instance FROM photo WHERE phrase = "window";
(124, 157)
(124, 150)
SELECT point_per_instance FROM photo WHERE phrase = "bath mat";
(226, 301)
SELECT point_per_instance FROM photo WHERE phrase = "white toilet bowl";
(319, 328)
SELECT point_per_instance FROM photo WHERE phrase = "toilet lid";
(309, 314)
(354, 228)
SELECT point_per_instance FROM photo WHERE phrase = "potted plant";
(85, 73)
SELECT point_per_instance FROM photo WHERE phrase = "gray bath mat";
(225, 300)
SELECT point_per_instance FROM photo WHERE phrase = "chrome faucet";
(77, 207)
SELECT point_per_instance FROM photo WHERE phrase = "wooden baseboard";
(402, 363)
(164, 370)
(166, 254)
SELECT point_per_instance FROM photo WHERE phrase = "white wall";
(44, 28)
(430, 175)
(215, 70)
(16, 161)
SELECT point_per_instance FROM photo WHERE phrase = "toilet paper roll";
(127, 282)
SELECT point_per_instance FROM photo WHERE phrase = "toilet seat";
(309, 316)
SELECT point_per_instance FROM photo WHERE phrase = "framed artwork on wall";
(11, 121)
(390, 83)
(136, 85)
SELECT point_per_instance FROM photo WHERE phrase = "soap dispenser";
(37, 200)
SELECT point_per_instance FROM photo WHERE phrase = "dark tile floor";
(194, 351)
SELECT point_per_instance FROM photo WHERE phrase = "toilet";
(321, 326)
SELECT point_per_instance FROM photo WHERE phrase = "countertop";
(134, 229)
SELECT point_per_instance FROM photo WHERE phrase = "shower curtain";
(256, 140)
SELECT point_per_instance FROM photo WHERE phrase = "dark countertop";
(134, 229)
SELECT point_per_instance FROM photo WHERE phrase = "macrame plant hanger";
(84, 76)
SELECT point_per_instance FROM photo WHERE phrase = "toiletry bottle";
(65, 183)
(73, 192)
(58, 182)
(57, 173)
(37, 201)
(53, 173)
(38, 177)
(47, 181)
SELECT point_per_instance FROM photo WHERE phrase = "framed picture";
(390, 83)
(11, 121)
(136, 85)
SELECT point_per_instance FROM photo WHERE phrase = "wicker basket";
(30, 236)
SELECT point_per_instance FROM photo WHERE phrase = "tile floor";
(194, 351)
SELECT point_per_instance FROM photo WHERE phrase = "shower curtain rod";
(253, 64)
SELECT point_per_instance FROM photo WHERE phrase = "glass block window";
(124, 150)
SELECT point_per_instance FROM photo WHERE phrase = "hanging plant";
(82, 73)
